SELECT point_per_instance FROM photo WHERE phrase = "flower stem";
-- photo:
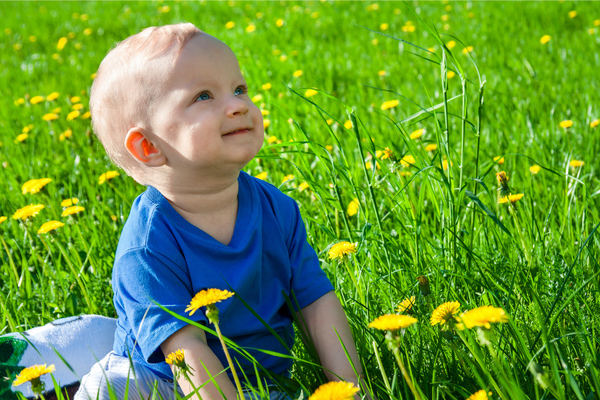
(513, 212)
(233, 372)
(187, 378)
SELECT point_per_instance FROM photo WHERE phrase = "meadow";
(390, 124)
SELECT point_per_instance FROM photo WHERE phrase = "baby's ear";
(142, 149)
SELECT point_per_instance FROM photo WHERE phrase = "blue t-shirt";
(162, 257)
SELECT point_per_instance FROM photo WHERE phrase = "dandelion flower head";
(335, 391)
(535, 169)
(353, 207)
(392, 322)
(389, 104)
(444, 313)
(576, 163)
(341, 250)
(106, 176)
(207, 297)
(417, 134)
(34, 185)
(502, 179)
(72, 210)
(2, 219)
(176, 358)
(33, 372)
(483, 316)
(407, 160)
(50, 226)
(513, 198)
(566, 124)
(406, 304)
(28, 211)
(480, 395)
(69, 202)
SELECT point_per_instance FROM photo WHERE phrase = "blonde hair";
(128, 81)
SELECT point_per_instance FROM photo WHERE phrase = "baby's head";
(173, 97)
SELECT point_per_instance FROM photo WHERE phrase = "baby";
(171, 107)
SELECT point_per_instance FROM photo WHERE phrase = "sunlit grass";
(389, 132)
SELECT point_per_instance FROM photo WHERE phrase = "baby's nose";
(236, 106)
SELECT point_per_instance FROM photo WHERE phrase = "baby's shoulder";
(269, 193)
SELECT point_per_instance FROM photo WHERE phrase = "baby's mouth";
(238, 131)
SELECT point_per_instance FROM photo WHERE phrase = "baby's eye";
(203, 96)
(240, 90)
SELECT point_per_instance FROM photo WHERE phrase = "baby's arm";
(323, 318)
(193, 342)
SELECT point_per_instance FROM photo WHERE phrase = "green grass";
(542, 267)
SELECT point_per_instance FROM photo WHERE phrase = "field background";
(411, 220)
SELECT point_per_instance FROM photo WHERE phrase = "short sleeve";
(141, 279)
(309, 282)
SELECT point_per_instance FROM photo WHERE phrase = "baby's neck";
(211, 208)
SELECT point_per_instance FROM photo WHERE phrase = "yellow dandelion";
(341, 250)
(2, 219)
(28, 211)
(250, 28)
(19, 101)
(444, 313)
(106, 176)
(265, 112)
(450, 45)
(34, 185)
(480, 395)
(407, 160)
(68, 133)
(50, 117)
(77, 106)
(72, 210)
(272, 139)
(33, 373)
(52, 96)
(576, 163)
(164, 9)
(266, 86)
(566, 124)
(75, 99)
(417, 134)
(86, 115)
(230, 25)
(451, 74)
(207, 297)
(597, 22)
(572, 14)
(84, 17)
(353, 207)
(87, 31)
(445, 164)
(384, 154)
(513, 198)
(374, 42)
(545, 39)
(287, 178)
(266, 123)
(373, 7)
(36, 99)
(57, 110)
(431, 147)
(499, 160)
(595, 123)
(384, 27)
(21, 137)
(467, 50)
(176, 358)
(72, 115)
(502, 179)
(279, 23)
(261, 176)
(310, 92)
(535, 169)
(348, 124)
(283, 57)
(382, 73)
(392, 322)
(482, 316)
(50, 226)
(303, 186)
(69, 202)
(297, 74)
(389, 104)
(406, 304)
(335, 391)
(62, 42)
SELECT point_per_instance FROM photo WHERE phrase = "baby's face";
(205, 119)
